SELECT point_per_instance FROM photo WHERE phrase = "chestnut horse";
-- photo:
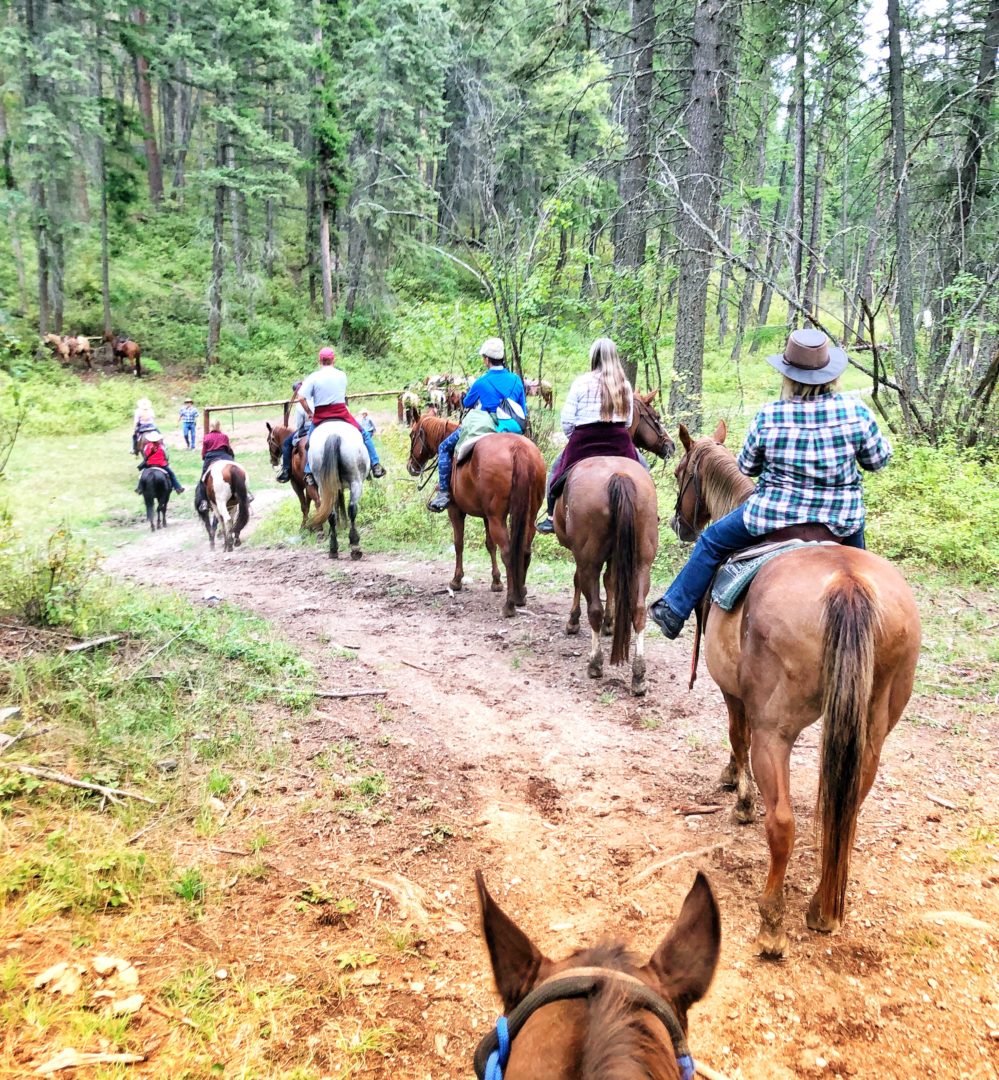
(823, 631)
(122, 349)
(607, 516)
(307, 494)
(228, 503)
(503, 481)
(600, 1013)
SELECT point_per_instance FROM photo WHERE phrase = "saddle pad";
(155, 468)
(466, 446)
(736, 574)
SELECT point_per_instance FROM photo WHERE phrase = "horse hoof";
(595, 668)
(638, 687)
(237, 542)
(728, 778)
(572, 628)
(455, 585)
(334, 554)
(817, 922)
(497, 586)
(356, 553)
(771, 943)
(509, 611)
(743, 815)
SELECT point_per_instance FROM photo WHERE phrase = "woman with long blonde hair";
(597, 418)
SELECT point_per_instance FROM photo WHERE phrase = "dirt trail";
(501, 754)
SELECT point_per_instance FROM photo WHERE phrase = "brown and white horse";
(600, 1013)
(823, 631)
(502, 482)
(228, 503)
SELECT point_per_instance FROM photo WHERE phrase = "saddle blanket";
(736, 574)
(154, 468)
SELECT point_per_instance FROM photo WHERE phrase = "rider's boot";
(666, 618)
(377, 471)
(283, 476)
(547, 527)
(440, 501)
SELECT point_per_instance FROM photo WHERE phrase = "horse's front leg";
(458, 530)
(771, 757)
(353, 535)
(737, 773)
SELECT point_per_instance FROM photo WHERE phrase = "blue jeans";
(190, 434)
(289, 444)
(726, 536)
(369, 445)
(445, 458)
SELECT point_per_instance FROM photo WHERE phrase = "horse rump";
(328, 478)
(623, 562)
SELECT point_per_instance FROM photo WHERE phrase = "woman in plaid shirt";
(806, 449)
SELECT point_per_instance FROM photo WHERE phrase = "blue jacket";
(489, 390)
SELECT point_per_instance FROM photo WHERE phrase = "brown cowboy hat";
(809, 358)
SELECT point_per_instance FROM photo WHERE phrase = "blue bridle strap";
(497, 1060)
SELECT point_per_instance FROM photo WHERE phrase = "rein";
(427, 468)
(690, 477)
(493, 1052)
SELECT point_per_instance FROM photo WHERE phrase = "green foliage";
(46, 589)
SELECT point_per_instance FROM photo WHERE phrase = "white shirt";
(327, 386)
(582, 404)
(298, 417)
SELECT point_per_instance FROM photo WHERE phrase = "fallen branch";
(232, 806)
(336, 694)
(709, 808)
(942, 802)
(73, 1059)
(93, 643)
(418, 667)
(148, 828)
(656, 867)
(69, 781)
(26, 733)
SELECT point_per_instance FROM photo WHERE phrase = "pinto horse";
(503, 482)
(600, 1013)
(228, 503)
(307, 494)
(607, 516)
(823, 631)
(338, 459)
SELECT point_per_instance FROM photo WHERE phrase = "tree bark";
(154, 168)
(775, 245)
(324, 252)
(218, 254)
(798, 183)
(7, 172)
(698, 197)
(102, 176)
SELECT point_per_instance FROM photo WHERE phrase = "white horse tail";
(328, 479)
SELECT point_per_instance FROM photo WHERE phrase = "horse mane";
(437, 428)
(723, 486)
(620, 1042)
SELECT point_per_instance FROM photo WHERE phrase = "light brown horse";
(503, 482)
(600, 1014)
(122, 349)
(823, 631)
(307, 494)
(607, 516)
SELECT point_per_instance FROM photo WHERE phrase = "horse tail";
(237, 483)
(328, 478)
(624, 561)
(520, 514)
(852, 622)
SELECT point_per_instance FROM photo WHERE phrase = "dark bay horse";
(503, 482)
(600, 1014)
(228, 503)
(607, 516)
(156, 487)
(307, 494)
(823, 631)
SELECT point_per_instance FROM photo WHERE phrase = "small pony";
(600, 1013)
(228, 503)
(155, 486)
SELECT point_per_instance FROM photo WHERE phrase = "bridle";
(419, 443)
(690, 477)
(647, 415)
(493, 1052)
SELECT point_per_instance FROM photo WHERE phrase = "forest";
(691, 178)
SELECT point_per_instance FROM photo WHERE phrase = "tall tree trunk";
(218, 254)
(723, 279)
(906, 362)
(189, 114)
(632, 220)
(324, 252)
(32, 94)
(864, 284)
(236, 233)
(102, 177)
(146, 108)
(698, 195)
(311, 234)
(10, 186)
(270, 245)
(798, 183)
(775, 237)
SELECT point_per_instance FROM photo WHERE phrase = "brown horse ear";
(686, 959)
(685, 438)
(648, 398)
(517, 964)
(268, 423)
(720, 432)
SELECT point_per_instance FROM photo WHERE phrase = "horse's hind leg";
(497, 582)
(497, 530)
(607, 626)
(638, 626)
(771, 756)
(737, 773)
(590, 582)
(353, 535)
(572, 626)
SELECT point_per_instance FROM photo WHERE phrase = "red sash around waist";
(339, 411)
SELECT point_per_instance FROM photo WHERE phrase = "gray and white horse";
(338, 459)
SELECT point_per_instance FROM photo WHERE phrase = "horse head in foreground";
(823, 631)
(601, 1013)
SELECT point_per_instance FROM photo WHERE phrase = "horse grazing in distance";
(338, 459)
(228, 503)
(58, 345)
(80, 346)
(607, 516)
(307, 494)
(503, 482)
(410, 407)
(823, 631)
(122, 349)
(540, 388)
(156, 487)
(601, 1012)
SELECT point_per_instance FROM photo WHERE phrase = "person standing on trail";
(323, 395)
(189, 423)
(498, 392)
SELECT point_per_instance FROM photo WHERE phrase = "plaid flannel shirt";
(806, 453)
(189, 414)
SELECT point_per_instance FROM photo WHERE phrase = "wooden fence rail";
(206, 413)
